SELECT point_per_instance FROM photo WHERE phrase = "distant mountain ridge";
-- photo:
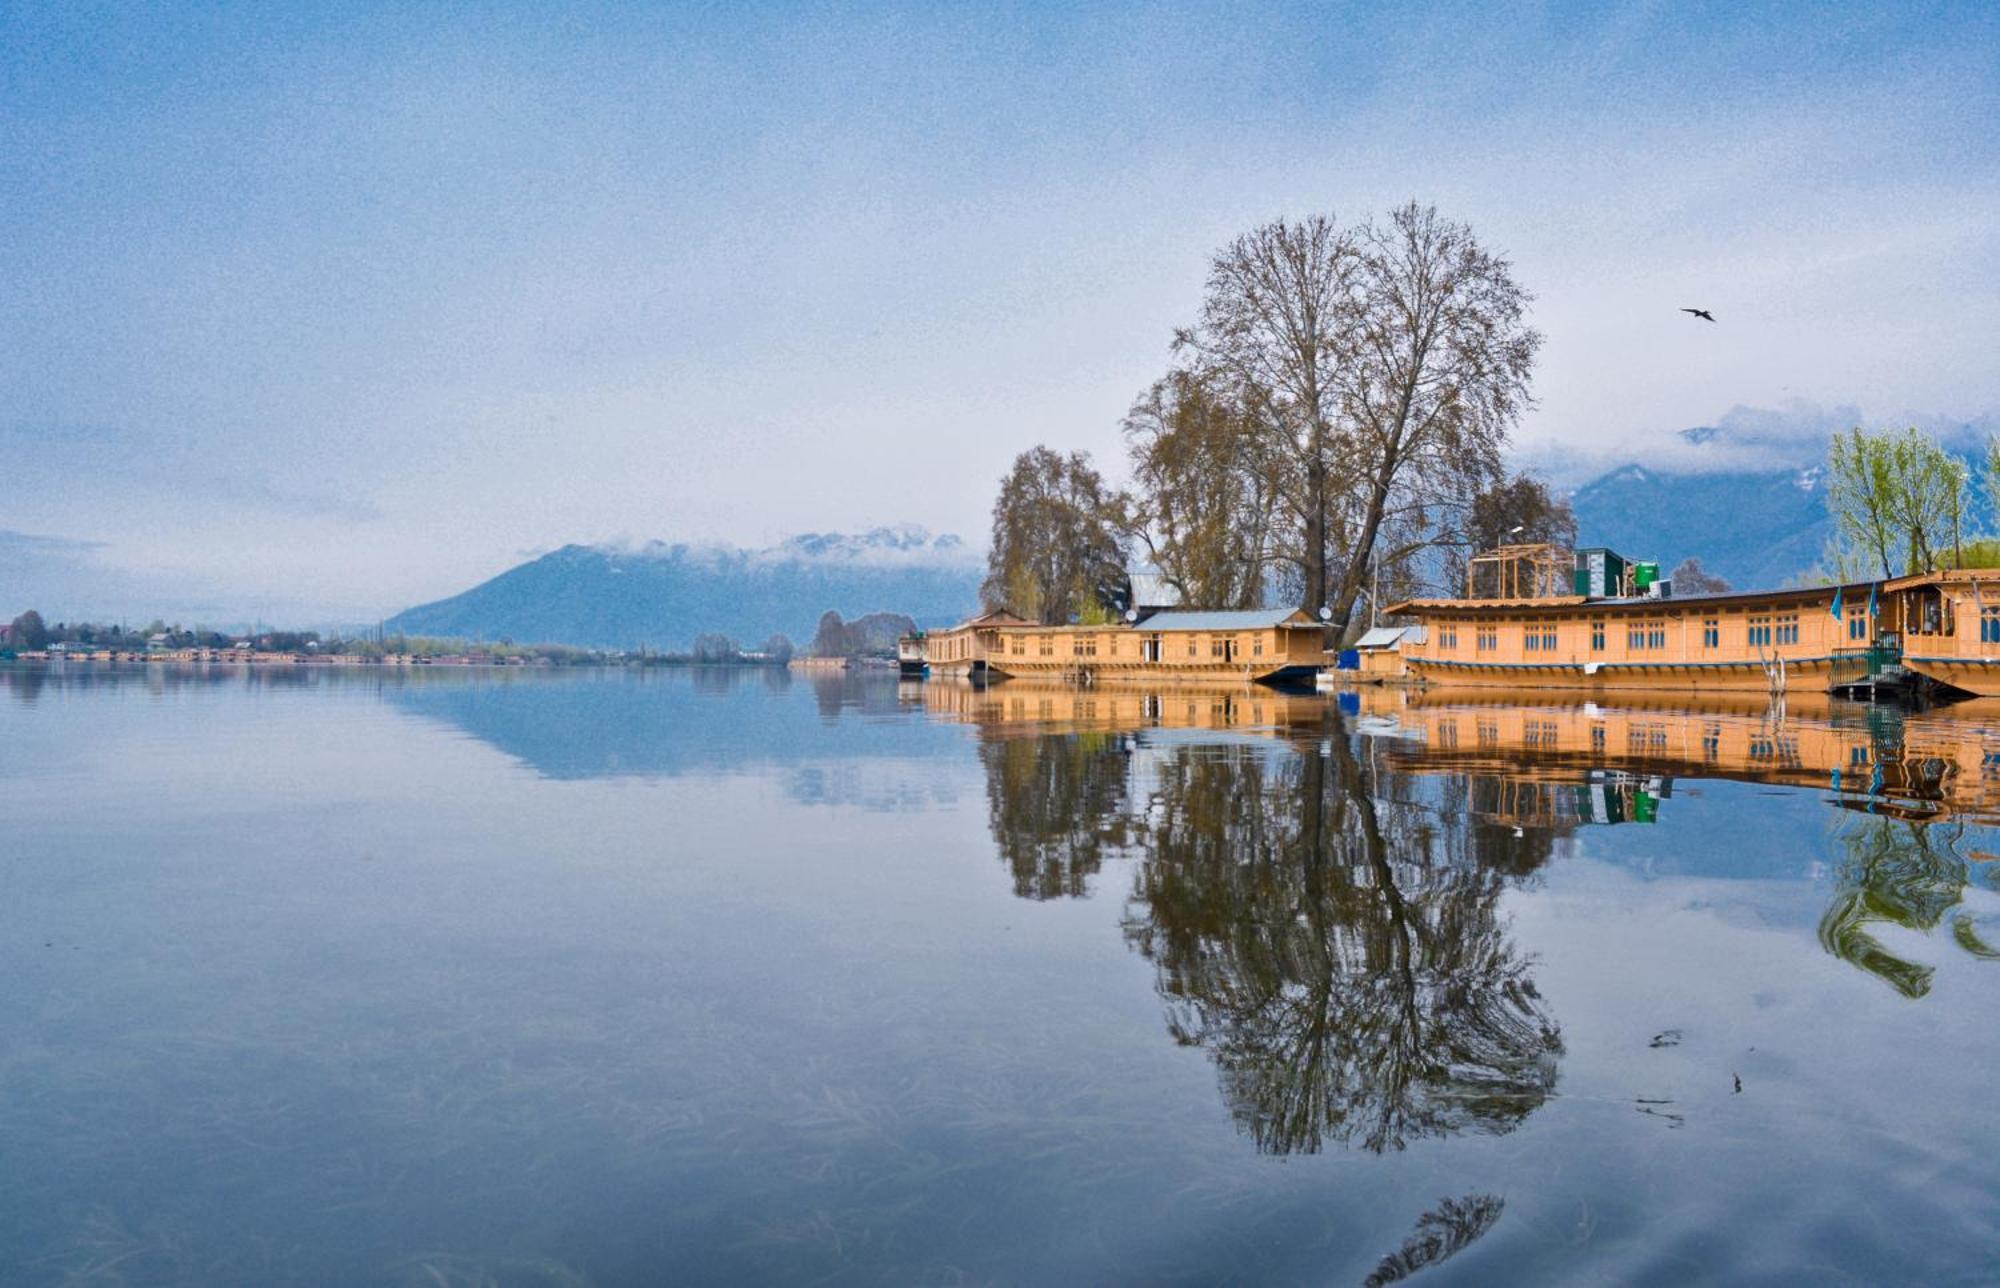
(660, 595)
(1756, 528)
(1747, 499)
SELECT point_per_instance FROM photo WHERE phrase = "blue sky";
(315, 315)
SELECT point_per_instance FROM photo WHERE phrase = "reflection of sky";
(283, 959)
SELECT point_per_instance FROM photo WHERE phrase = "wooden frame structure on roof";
(1536, 571)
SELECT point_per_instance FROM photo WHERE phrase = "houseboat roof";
(1389, 637)
(1240, 620)
(997, 617)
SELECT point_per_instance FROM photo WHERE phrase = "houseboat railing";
(1859, 665)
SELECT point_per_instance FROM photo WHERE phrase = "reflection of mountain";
(663, 722)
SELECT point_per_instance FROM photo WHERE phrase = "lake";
(614, 977)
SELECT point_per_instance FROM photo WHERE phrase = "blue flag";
(1871, 600)
(1838, 591)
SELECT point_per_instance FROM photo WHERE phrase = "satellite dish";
(1325, 613)
(1131, 614)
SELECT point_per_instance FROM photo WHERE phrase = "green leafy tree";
(1897, 498)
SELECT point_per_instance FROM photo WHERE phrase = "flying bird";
(1703, 314)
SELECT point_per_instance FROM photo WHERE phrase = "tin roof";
(1389, 636)
(1244, 620)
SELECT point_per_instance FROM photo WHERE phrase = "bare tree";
(1437, 375)
(1690, 578)
(1516, 510)
(1276, 323)
(1056, 552)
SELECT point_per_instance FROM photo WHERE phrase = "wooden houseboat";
(1537, 634)
(1947, 625)
(1270, 646)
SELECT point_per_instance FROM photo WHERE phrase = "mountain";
(1755, 528)
(662, 596)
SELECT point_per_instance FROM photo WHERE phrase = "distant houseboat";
(910, 655)
(1270, 646)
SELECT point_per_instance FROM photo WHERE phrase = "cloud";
(1792, 436)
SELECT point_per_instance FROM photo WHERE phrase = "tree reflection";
(1442, 1232)
(1898, 873)
(1335, 946)
(1057, 806)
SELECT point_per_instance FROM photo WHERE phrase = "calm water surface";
(510, 978)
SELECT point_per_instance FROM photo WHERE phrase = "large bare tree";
(1276, 323)
(1435, 374)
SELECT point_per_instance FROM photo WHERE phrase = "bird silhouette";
(1703, 314)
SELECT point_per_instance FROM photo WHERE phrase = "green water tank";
(1644, 573)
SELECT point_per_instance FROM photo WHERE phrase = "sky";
(310, 314)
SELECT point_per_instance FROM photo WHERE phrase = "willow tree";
(1056, 553)
(1205, 486)
(1897, 494)
(1437, 370)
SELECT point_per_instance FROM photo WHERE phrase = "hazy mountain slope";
(662, 596)
(1756, 528)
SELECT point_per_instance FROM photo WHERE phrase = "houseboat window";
(1191, 640)
(1760, 632)
(1048, 645)
(1090, 646)
(1076, 645)
(1020, 646)
(1597, 636)
(1215, 647)
(1711, 632)
(1857, 624)
(1257, 646)
(1788, 629)
(1656, 635)
(1448, 637)
(1635, 637)
(1488, 639)
(1989, 624)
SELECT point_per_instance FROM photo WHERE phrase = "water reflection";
(1336, 950)
(1319, 892)
(1325, 930)
(1906, 874)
